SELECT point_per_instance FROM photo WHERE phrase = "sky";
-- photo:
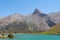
(8, 7)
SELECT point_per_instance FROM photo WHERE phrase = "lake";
(33, 37)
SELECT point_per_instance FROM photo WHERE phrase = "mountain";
(55, 17)
(40, 20)
(35, 22)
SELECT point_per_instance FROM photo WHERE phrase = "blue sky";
(8, 7)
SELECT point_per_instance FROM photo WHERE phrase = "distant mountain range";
(55, 16)
(34, 22)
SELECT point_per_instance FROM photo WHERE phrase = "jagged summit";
(39, 13)
(36, 11)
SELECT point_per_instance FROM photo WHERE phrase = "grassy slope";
(54, 30)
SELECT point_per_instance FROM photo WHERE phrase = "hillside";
(53, 30)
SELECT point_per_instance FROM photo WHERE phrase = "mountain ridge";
(35, 22)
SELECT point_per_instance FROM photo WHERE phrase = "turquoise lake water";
(33, 37)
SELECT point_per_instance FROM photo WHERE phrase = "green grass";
(53, 30)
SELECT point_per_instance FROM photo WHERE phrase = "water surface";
(33, 37)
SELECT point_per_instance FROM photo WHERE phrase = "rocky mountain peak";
(39, 13)
(36, 11)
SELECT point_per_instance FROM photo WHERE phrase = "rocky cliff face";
(35, 22)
